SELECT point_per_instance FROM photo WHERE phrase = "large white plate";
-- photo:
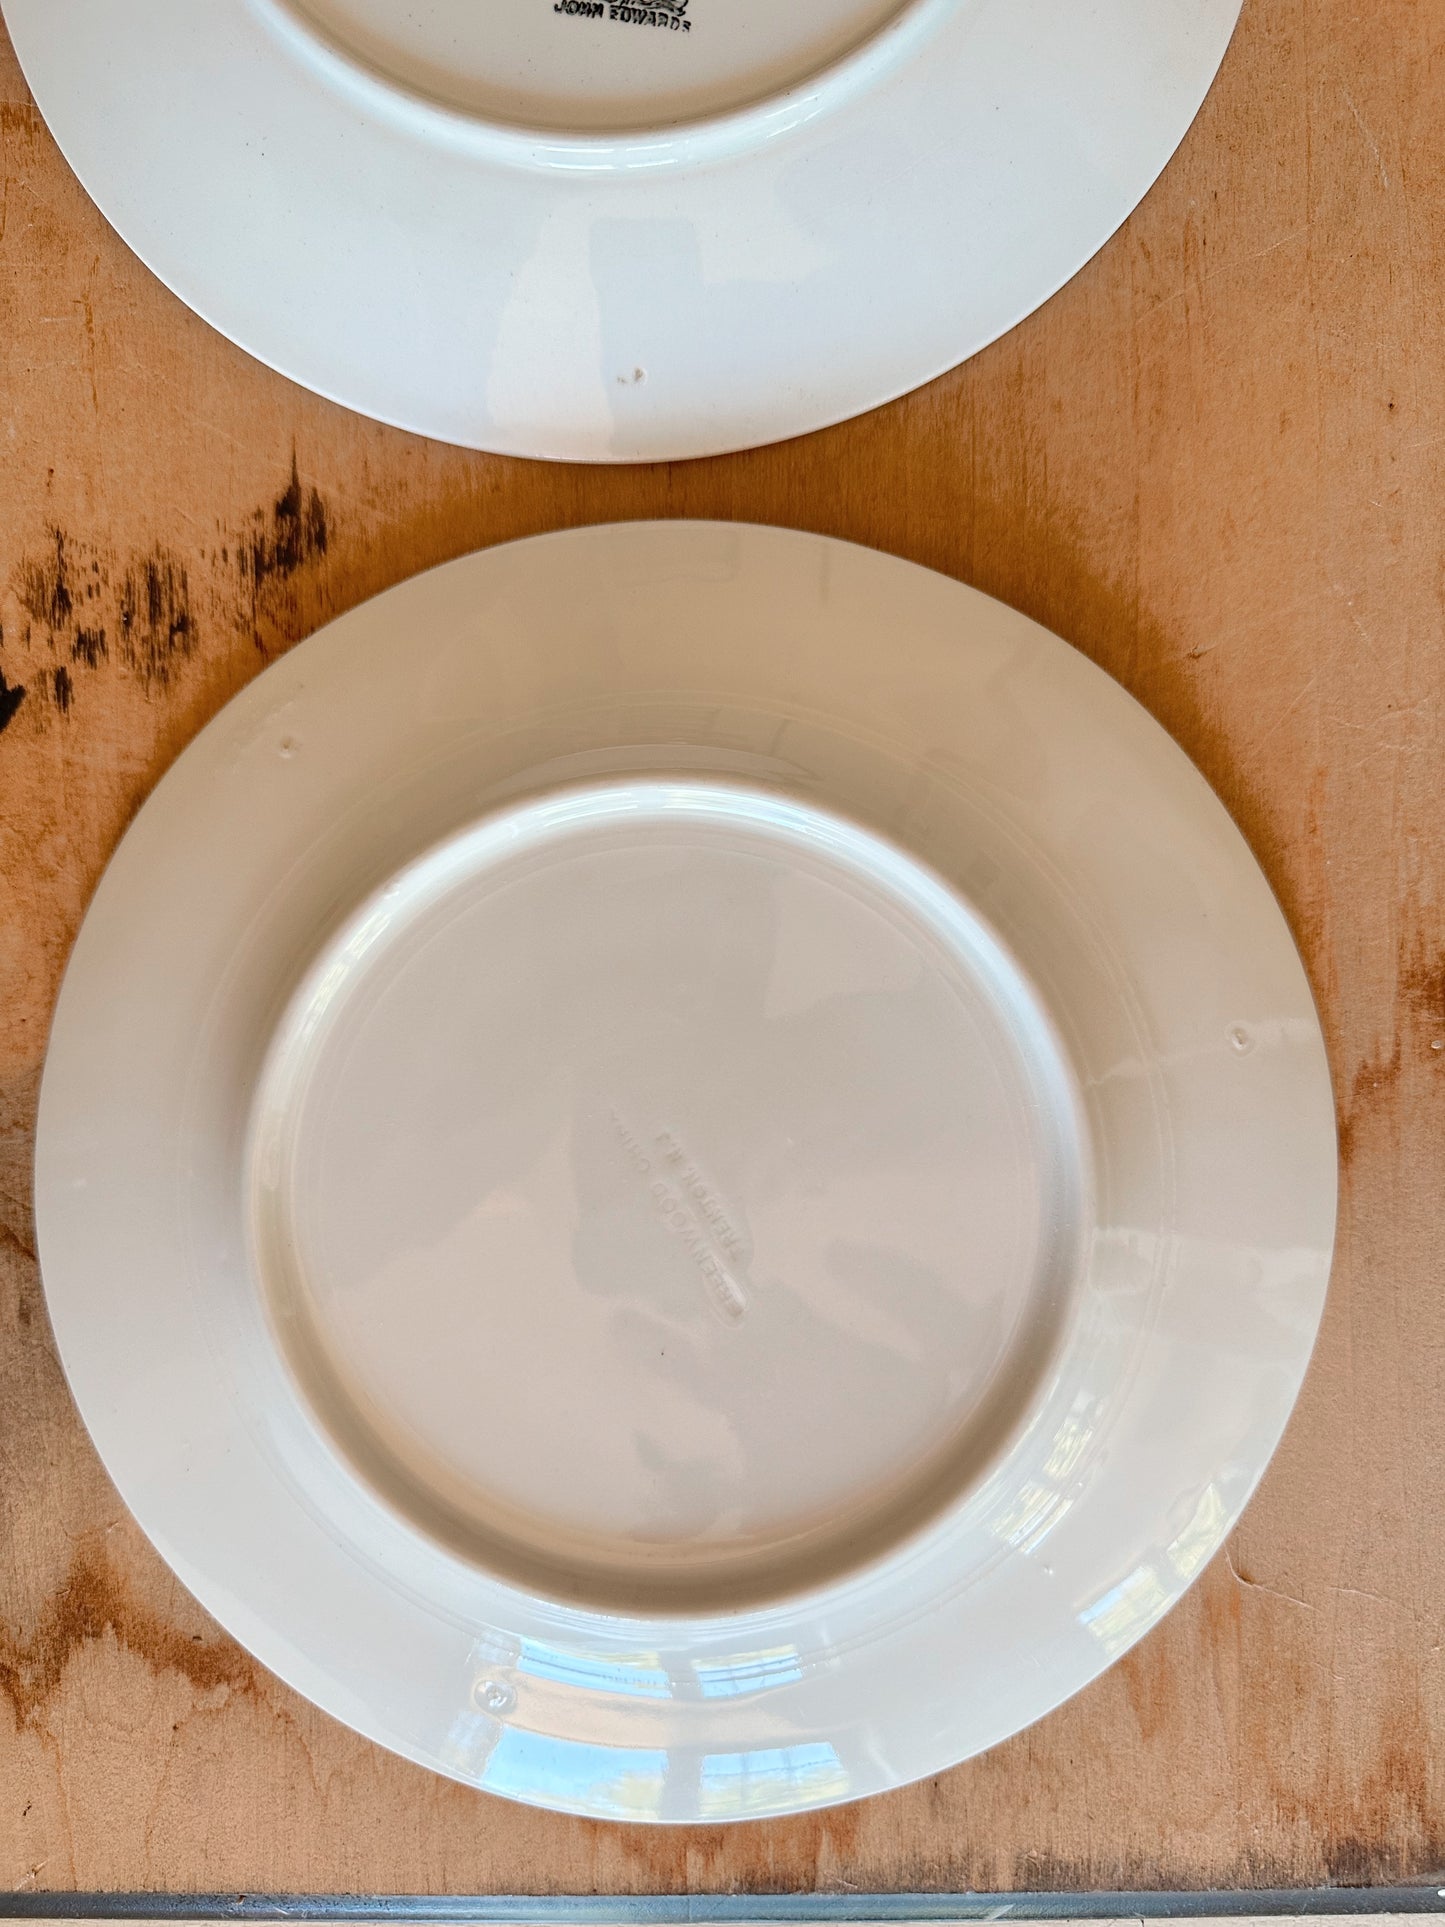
(525, 228)
(685, 1171)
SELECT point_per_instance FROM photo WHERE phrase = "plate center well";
(668, 1194)
(595, 66)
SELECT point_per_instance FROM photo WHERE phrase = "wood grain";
(1216, 463)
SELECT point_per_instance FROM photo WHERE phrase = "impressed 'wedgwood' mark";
(692, 1211)
(669, 14)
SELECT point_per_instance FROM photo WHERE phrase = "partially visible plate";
(685, 1171)
(617, 230)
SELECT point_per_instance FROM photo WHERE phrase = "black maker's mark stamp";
(670, 15)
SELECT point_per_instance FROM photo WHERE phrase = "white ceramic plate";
(685, 1171)
(617, 230)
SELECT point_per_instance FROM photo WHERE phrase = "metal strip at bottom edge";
(718, 1910)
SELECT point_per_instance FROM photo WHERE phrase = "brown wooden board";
(1216, 464)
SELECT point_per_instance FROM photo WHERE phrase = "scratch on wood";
(1369, 139)
(1258, 1585)
(87, 308)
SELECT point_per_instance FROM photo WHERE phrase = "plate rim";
(760, 400)
(747, 541)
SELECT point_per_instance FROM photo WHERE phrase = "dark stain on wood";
(91, 609)
(296, 533)
(11, 697)
(1375, 1077)
(1418, 1034)
(43, 585)
(22, 118)
(1422, 986)
(1339, 1860)
(77, 601)
(93, 1604)
(46, 588)
(1385, 1827)
(12, 1241)
(158, 630)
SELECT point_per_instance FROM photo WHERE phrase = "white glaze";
(521, 67)
(587, 238)
(669, 1195)
(894, 781)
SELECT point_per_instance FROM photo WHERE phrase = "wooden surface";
(1216, 463)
